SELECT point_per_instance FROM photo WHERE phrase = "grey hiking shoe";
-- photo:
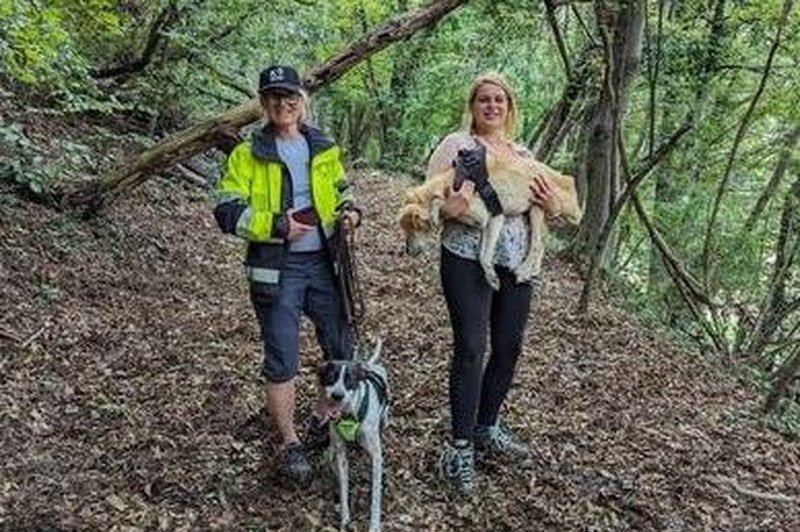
(499, 440)
(294, 464)
(457, 464)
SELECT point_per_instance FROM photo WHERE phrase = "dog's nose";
(337, 396)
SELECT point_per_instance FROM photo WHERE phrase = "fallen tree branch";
(33, 337)
(763, 495)
(192, 176)
(95, 195)
(8, 335)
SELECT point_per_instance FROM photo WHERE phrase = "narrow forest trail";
(135, 401)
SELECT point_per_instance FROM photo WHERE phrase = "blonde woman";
(476, 391)
(282, 193)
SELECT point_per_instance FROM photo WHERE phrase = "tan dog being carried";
(511, 179)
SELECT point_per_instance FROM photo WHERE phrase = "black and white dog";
(357, 395)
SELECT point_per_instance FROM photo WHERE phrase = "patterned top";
(464, 240)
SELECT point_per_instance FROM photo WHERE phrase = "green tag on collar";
(347, 428)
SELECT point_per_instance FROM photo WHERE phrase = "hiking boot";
(318, 435)
(499, 440)
(457, 464)
(294, 464)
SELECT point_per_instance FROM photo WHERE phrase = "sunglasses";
(290, 98)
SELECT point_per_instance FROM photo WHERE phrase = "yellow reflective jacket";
(256, 190)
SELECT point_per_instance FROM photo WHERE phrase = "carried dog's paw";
(414, 245)
(523, 276)
(493, 280)
(434, 215)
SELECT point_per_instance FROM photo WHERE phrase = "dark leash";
(344, 261)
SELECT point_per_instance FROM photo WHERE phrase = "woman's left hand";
(544, 195)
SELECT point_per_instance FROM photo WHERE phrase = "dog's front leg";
(343, 472)
(435, 211)
(489, 238)
(373, 445)
(524, 271)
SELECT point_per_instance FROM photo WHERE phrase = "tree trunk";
(709, 246)
(97, 194)
(666, 190)
(562, 116)
(784, 160)
(786, 249)
(404, 64)
(622, 59)
(783, 377)
(166, 18)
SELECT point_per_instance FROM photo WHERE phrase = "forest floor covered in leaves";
(130, 398)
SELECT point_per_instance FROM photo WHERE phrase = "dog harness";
(349, 426)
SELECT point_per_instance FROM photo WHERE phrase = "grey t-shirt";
(295, 154)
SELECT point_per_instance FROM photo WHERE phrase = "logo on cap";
(276, 74)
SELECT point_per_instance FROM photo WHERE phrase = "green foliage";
(26, 166)
(48, 294)
(787, 422)
(38, 167)
(40, 44)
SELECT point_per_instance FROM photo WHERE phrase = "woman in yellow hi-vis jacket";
(282, 192)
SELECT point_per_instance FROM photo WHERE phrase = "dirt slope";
(135, 400)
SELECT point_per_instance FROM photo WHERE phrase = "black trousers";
(476, 394)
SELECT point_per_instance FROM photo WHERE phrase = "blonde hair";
(513, 115)
(305, 110)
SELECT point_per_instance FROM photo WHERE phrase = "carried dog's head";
(415, 217)
(415, 222)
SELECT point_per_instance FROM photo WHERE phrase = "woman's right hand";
(457, 201)
(544, 195)
(296, 229)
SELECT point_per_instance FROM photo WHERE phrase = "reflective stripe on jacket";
(256, 189)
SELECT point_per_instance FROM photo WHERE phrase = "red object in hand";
(306, 216)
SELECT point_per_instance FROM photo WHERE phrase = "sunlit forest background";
(703, 94)
(679, 120)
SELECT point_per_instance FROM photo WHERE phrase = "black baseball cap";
(279, 77)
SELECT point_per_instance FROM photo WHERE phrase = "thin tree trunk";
(708, 241)
(562, 48)
(548, 136)
(97, 194)
(654, 48)
(653, 69)
(665, 190)
(784, 159)
(162, 22)
(772, 310)
(783, 377)
(608, 225)
(373, 88)
(622, 54)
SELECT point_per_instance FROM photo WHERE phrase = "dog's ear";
(326, 373)
(360, 372)
(355, 373)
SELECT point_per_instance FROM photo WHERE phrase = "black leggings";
(474, 307)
